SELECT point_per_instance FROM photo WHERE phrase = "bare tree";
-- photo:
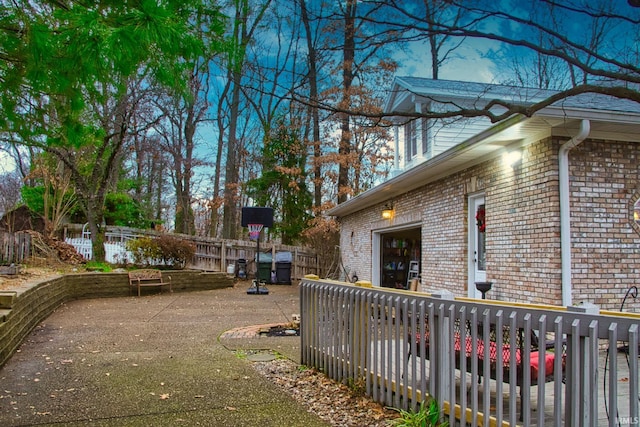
(313, 111)
(10, 183)
(604, 59)
(417, 22)
(149, 173)
(536, 69)
(58, 195)
(247, 20)
(599, 58)
(360, 50)
(182, 116)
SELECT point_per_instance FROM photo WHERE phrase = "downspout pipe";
(565, 208)
(396, 151)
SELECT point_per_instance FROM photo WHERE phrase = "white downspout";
(396, 151)
(565, 209)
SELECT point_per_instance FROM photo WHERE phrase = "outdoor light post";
(484, 287)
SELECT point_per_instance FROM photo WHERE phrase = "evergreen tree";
(283, 184)
(73, 73)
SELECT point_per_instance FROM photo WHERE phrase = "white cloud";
(469, 62)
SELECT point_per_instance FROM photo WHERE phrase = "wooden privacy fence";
(211, 254)
(14, 247)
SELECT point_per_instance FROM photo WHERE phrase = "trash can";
(264, 267)
(241, 268)
(283, 267)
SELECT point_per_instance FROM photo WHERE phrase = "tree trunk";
(94, 206)
(231, 194)
(344, 149)
(185, 221)
(315, 115)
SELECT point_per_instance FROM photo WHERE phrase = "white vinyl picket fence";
(115, 252)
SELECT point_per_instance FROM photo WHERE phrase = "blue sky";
(472, 61)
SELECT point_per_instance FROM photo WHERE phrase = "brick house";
(544, 207)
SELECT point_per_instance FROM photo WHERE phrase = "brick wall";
(523, 225)
(21, 311)
(355, 241)
(606, 242)
(440, 211)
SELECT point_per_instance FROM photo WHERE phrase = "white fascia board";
(590, 114)
(448, 162)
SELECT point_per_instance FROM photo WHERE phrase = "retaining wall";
(22, 309)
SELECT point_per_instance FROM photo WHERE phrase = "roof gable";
(407, 90)
(611, 119)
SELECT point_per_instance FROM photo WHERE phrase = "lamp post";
(484, 287)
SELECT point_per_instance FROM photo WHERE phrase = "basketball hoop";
(255, 218)
(254, 231)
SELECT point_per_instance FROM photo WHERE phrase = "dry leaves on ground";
(30, 275)
(335, 403)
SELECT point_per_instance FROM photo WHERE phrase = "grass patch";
(98, 266)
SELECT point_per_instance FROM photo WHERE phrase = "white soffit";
(513, 132)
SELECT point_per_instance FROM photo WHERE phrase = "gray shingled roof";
(473, 90)
(607, 115)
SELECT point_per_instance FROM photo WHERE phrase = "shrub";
(172, 251)
(175, 252)
(121, 209)
(145, 250)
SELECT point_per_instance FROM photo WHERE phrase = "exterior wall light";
(512, 158)
(387, 211)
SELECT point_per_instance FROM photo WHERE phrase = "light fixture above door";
(387, 211)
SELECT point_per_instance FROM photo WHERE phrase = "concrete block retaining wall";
(21, 310)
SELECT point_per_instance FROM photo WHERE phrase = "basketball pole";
(262, 216)
(256, 290)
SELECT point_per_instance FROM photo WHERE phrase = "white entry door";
(477, 248)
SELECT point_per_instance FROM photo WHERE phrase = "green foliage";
(98, 266)
(173, 251)
(120, 209)
(283, 184)
(60, 50)
(68, 69)
(428, 415)
(145, 250)
(33, 197)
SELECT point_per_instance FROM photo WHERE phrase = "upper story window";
(416, 139)
(411, 140)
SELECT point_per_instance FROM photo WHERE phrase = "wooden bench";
(148, 277)
(474, 348)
